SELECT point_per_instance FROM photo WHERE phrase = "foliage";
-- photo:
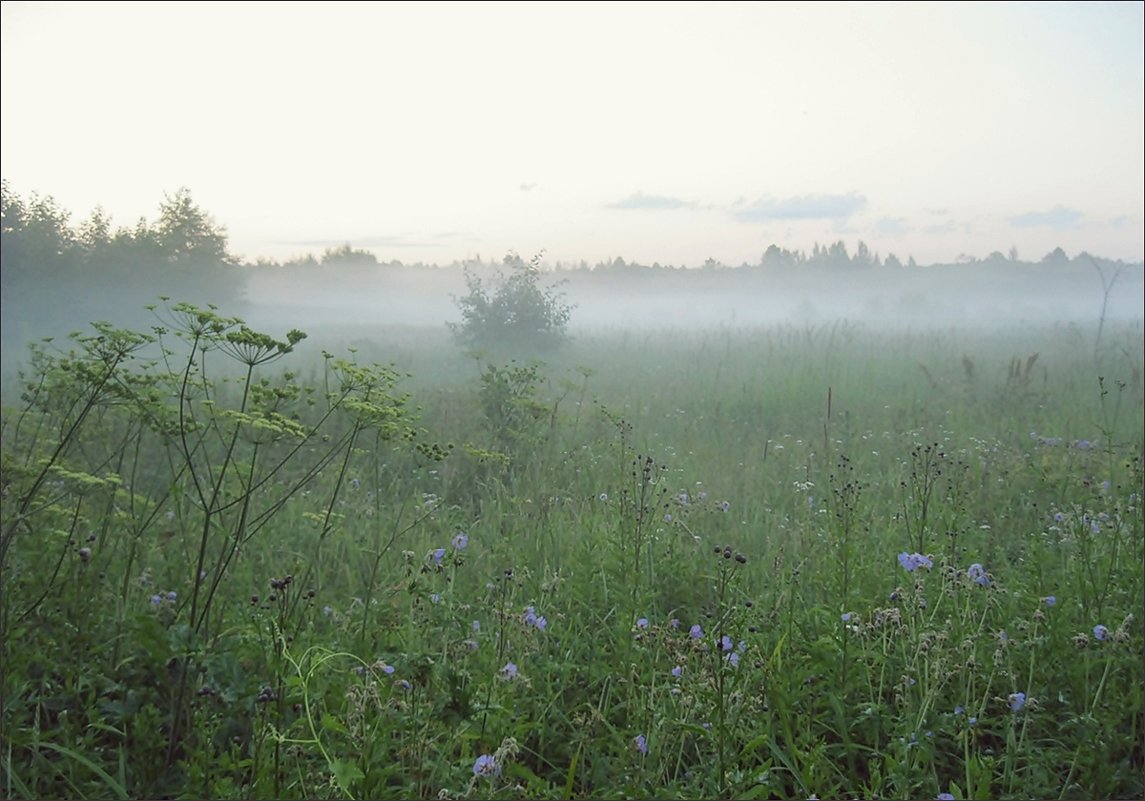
(513, 312)
(716, 585)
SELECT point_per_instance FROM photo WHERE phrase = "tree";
(513, 312)
(189, 234)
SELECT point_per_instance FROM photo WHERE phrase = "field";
(820, 560)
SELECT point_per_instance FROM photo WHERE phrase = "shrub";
(513, 311)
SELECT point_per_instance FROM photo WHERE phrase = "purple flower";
(846, 616)
(509, 672)
(958, 710)
(676, 671)
(156, 600)
(640, 744)
(460, 541)
(1017, 701)
(1050, 600)
(913, 561)
(944, 797)
(977, 573)
(733, 659)
(696, 632)
(486, 766)
(674, 623)
(438, 555)
(405, 685)
(642, 623)
(387, 669)
(171, 596)
(1100, 632)
(725, 643)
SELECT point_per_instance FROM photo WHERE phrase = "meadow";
(817, 560)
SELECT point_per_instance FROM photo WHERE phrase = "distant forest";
(57, 277)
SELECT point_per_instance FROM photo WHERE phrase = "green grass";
(219, 587)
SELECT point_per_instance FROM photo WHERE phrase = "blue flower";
(733, 659)
(640, 743)
(913, 561)
(977, 573)
(696, 632)
(1100, 632)
(958, 710)
(642, 623)
(438, 555)
(724, 506)
(725, 643)
(156, 600)
(1017, 701)
(676, 671)
(486, 766)
(944, 797)
(460, 541)
(846, 616)
(509, 672)
(1050, 600)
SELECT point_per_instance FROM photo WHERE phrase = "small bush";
(512, 312)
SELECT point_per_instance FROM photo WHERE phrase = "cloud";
(803, 207)
(643, 201)
(1059, 217)
(891, 226)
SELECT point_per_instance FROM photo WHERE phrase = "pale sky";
(668, 132)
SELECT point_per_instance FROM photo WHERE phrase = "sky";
(654, 132)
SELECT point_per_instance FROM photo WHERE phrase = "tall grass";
(772, 563)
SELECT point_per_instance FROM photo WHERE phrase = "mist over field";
(746, 297)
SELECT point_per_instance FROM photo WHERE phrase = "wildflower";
(435, 598)
(405, 685)
(958, 710)
(509, 672)
(944, 797)
(725, 643)
(603, 496)
(640, 743)
(977, 573)
(696, 632)
(1100, 632)
(172, 596)
(529, 616)
(1050, 600)
(1017, 701)
(668, 518)
(486, 766)
(156, 600)
(846, 616)
(913, 561)
(470, 644)
(382, 666)
(724, 506)
(733, 659)
(642, 623)
(674, 623)
(438, 555)
(327, 611)
(676, 671)
(85, 554)
(973, 721)
(476, 626)
(460, 541)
